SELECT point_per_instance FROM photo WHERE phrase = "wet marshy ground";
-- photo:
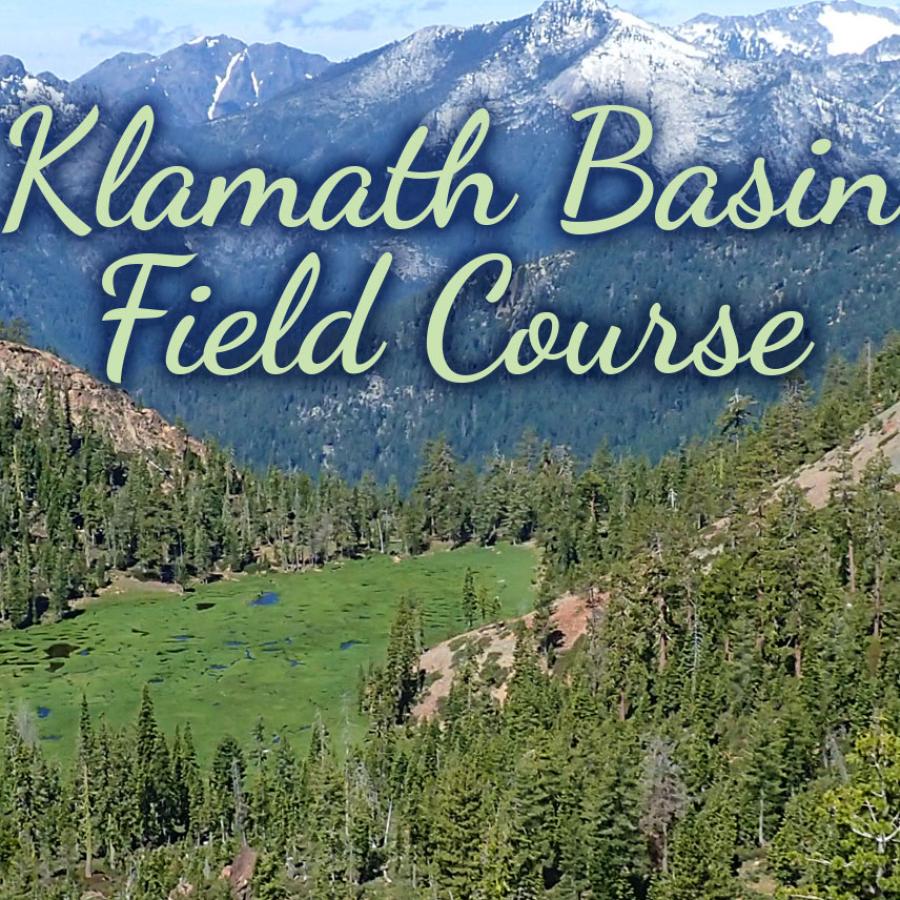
(281, 647)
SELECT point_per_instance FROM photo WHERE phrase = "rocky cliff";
(129, 427)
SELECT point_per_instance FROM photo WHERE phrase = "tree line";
(73, 510)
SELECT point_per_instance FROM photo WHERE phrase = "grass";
(217, 660)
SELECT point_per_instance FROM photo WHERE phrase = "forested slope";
(726, 727)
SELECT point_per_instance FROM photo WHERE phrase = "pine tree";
(855, 848)
(488, 603)
(86, 791)
(458, 825)
(469, 605)
(225, 812)
(704, 863)
(152, 775)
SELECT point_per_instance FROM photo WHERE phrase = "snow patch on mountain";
(779, 41)
(812, 30)
(19, 89)
(854, 31)
(209, 42)
(222, 82)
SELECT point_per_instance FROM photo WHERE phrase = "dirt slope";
(494, 644)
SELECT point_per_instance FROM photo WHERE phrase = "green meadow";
(284, 647)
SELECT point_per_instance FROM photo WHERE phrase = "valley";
(691, 660)
(320, 638)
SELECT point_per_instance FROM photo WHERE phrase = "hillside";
(492, 645)
(129, 427)
(729, 717)
(880, 437)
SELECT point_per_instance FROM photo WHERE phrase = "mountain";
(19, 89)
(812, 31)
(532, 73)
(129, 427)
(202, 80)
(707, 105)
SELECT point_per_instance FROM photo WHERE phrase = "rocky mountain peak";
(207, 78)
(573, 8)
(11, 67)
(558, 23)
(812, 30)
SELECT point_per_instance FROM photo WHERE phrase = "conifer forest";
(726, 727)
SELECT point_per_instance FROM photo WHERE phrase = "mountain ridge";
(814, 30)
(202, 79)
(531, 73)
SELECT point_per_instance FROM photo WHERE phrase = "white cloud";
(145, 33)
(652, 10)
(299, 14)
(290, 12)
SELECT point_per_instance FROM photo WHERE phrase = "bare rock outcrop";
(130, 427)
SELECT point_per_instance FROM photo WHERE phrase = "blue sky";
(68, 37)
